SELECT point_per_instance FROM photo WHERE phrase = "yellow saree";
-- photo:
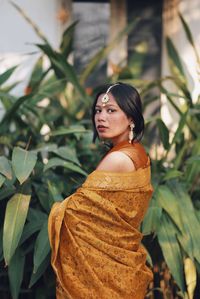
(95, 241)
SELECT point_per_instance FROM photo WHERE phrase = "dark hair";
(128, 99)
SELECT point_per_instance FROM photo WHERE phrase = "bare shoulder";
(117, 162)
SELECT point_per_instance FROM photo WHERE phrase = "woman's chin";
(104, 136)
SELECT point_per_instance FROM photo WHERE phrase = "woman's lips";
(101, 128)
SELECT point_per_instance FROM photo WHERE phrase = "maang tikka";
(131, 133)
(106, 98)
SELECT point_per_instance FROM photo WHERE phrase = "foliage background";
(46, 151)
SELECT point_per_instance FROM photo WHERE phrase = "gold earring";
(131, 133)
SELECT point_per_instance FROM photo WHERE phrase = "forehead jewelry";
(106, 98)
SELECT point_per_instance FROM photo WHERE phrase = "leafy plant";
(173, 215)
(45, 145)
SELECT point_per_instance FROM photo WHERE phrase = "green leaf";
(7, 191)
(42, 247)
(171, 250)
(5, 167)
(6, 75)
(37, 74)
(54, 192)
(170, 99)
(15, 272)
(35, 219)
(23, 162)
(15, 217)
(55, 162)
(171, 174)
(11, 112)
(67, 39)
(164, 133)
(2, 180)
(46, 90)
(177, 68)
(46, 148)
(71, 130)
(63, 69)
(151, 222)
(179, 77)
(181, 125)
(40, 271)
(192, 164)
(191, 223)
(67, 153)
(29, 229)
(35, 215)
(170, 204)
(8, 88)
(41, 192)
(193, 159)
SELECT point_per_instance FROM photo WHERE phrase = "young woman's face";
(111, 122)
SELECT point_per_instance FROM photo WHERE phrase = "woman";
(94, 236)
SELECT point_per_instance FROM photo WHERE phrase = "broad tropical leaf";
(35, 221)
(192, 164)
(54, 192)
(179, 129)
(65, 131)
(42, 192)
(177, 70)
(15, 272)
(42, 247)
(171, 174)
(67, 40)
(15, 217)
(37, 75)
(67, 153)
(2, 180)
(23, 162)
(63, 69)
(6, 75)
(5, 167)
(46, 148)
(171, 250)
(151, 222)
(164, 133)
(170, 204)
(41, 269)
(55, 162)
(191, 222)
(12, 111)
(174, 57)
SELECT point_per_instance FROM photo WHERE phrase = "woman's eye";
(97, 110)
(111, 110)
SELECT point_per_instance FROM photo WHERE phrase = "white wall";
(17, 38)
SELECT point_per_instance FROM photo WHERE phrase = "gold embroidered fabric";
(95, 241)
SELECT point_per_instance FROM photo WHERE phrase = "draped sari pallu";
(95, 241)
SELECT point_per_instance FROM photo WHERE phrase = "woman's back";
(97, 251)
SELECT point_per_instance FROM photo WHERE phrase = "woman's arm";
(117, 162)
